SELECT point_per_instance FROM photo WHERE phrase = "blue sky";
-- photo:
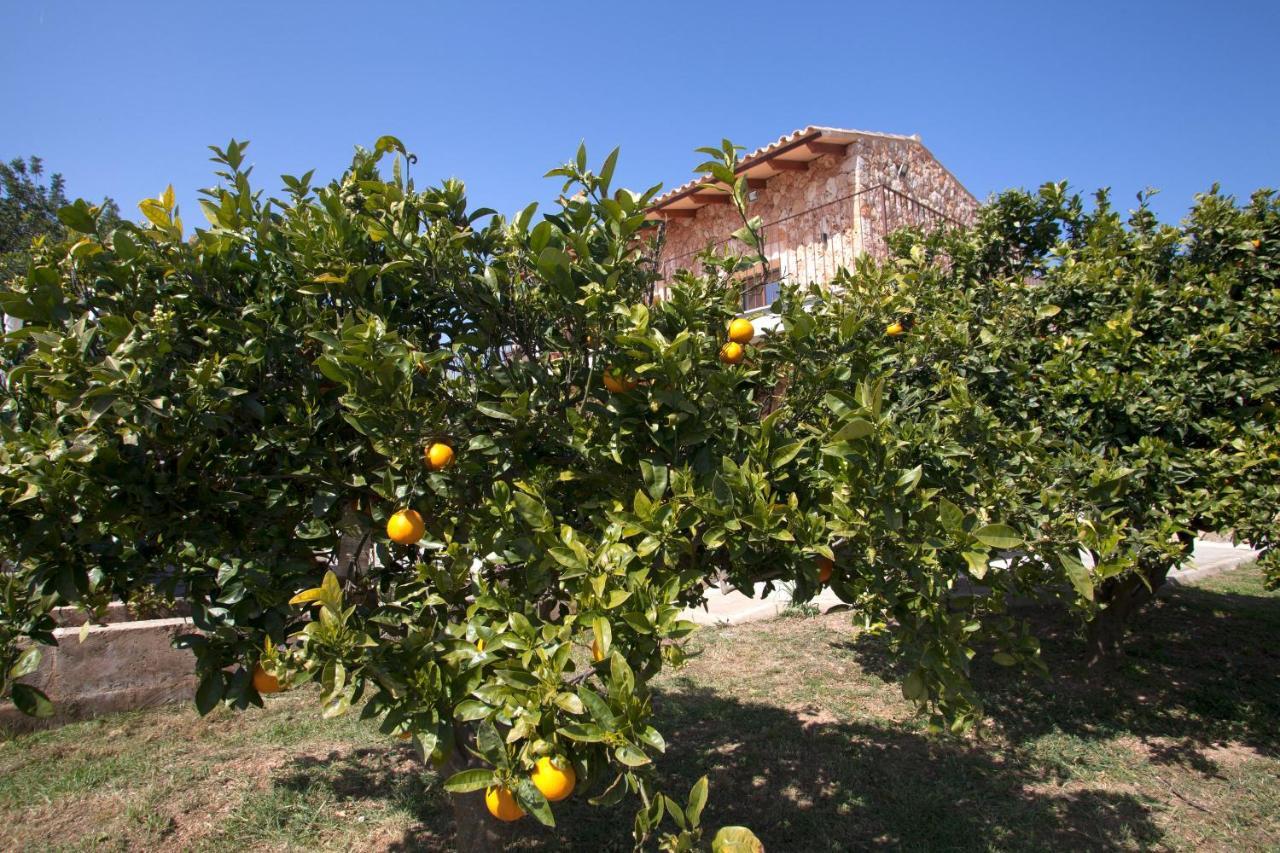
(123, 97)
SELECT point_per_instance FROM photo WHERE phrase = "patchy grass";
(800, 727)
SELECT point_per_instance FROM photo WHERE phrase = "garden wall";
(120, 666)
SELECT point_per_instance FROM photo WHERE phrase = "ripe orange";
(732, 353)
(502, 804)
(405, 527)
(894, 329)
(438, 456)
(618, 382)
(825, 567)
(596, 652)
(263, 681)
(405, 736)
(741, 331)
(555, 779)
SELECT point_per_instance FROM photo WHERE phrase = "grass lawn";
(803, 739)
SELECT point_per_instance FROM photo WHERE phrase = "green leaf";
(26, 663)
(786, 453)
(979, 562)
(489, 744)
(307, 596)
(597, 706)
(553, 264)
(466, 781)
(78, 217)
(570, 703)
(603, 635)
(606, 171)
(532, 511)
(852, 430)
(951, 516)
(155, 212)
(494, 412)
(31, 701)
(209, 692)
(584, 732)
(533, 801)
(389, 143)
(736, 839)
(1000, 536)
(566, 557)
(697, 800)
(910, 479)
(631, 756)
(655, 478)
(1077, 574)
(913, 687)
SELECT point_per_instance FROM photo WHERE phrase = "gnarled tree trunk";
(1123, 596)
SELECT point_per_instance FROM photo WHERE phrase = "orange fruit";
(825, 567)
(263, 681)
(741, 331)
(732, 353)
(894, 329)
(554, 780)
(617, 382)
(502, 804)
(597, 653)
(438, 456)
(405, 736)
(405, 527)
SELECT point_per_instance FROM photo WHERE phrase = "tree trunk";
(1123, 597)
(477, 831)
(355, 545)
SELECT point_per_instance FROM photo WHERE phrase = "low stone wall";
(120, 666)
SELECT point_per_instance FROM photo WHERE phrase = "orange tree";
(465, 474)
(1145, 358)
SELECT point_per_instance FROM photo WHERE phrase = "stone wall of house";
(823, 218)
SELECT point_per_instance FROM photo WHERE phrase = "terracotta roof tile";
(764, 152)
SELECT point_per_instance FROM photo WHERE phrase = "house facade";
(825, 195)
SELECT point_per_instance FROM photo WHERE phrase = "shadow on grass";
(1199, 669)
(800, 786)
(391, 776)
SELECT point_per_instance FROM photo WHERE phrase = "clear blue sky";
(123, 97)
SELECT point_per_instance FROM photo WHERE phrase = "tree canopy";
(250, 417)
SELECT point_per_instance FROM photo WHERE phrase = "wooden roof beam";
(712, 198)
(678, 213)
(836, 148)
(789, 165)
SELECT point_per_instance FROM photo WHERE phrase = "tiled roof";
(812, 133)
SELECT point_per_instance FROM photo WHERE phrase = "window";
(757, 296)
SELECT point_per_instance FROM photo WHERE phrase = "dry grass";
(797, 722)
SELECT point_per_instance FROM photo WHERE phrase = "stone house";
(825, 195)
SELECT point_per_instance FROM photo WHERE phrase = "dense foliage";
(233, 415)
(1145, 356)
(30, 210)
(238, 416)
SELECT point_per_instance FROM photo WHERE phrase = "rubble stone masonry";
(841, 207)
